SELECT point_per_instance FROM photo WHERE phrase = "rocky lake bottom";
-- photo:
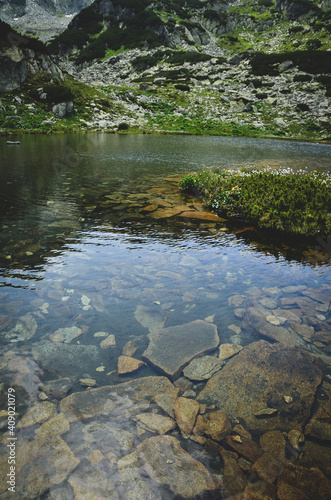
(154, 351)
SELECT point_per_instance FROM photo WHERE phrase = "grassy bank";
(289, 202)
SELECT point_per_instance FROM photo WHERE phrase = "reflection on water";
(102, 258)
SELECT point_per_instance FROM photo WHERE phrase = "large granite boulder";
(171, 349)
(253, 384)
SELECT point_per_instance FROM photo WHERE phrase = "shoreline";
(13, 132)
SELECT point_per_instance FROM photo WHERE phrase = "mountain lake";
(149, 348)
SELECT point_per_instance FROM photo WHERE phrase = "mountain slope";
(254, 67)
(21, 56)
(42, 18)
(110, 26)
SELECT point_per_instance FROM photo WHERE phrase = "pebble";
(101, 334)
(110, 341)
(235, 329)
(266, 412)
(85, 300)
(237, 439)
(88, 382)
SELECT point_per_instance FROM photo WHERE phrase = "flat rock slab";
(115, 399)
(66, 360)
(153, 422)
(165, 462)
(203, 368)
(258, 377)
(66, 334)
(126, 364)
(200, 216)
(152, 318)
(256, 316)
(57, 388)
(171, 349)
(53, 461)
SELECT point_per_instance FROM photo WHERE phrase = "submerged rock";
(126, 364)
(88, 382)
(129, 349)
(257, 317)
(319, 294)
(38, 414)
(203, 368)
(167, 402)
(135, 484)
(66, 334)
(293, 288)
(4, 321)
(245, 447)
(234, 478)
(24, 329)
(110, 341)
(117, 398)
(214, 424)
(65, 360)
(228, 350)
(319, 426)
(94, 485)
(162, 459)
(152, 318)
(301, 483)
(200, 216)
(42, 463)
(257, 378)
(154, 422)
(186, 411)
(171, 349)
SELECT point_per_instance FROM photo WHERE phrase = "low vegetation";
(285, 201)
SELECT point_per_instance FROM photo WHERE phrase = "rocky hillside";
(21, 56)
(42, 18)
(109, 26)
(251, 67)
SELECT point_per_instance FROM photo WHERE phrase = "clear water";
(80, 248)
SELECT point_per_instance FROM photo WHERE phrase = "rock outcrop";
(21, 56)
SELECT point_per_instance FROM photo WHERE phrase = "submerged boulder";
(117, 398)
(66, 360)
(171, 349)
(257, 378)
(164, 461)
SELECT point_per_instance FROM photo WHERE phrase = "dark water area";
(99, 252)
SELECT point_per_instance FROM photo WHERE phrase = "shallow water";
(93, 241)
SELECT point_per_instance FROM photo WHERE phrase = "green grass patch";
(292, 203)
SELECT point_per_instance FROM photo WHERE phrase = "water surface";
(93, 245)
